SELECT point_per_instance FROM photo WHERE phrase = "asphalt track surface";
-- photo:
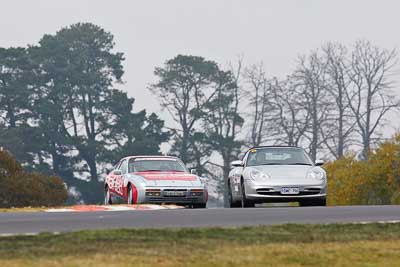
(36, 222)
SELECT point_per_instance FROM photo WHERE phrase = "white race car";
(154, 179)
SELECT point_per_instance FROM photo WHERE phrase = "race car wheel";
(245, 202)
(107, 196)
(232, 204)
(131, 195)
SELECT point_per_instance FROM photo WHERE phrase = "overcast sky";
(150, 32)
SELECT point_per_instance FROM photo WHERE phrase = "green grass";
(286, 245)
(26, 209)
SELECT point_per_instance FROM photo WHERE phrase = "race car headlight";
(196, 192)
(258, 176)
(316, 174)
(153, 192)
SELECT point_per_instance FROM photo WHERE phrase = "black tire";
(321, 202)
(231, 203)
(313, 202)
(199, 206)
(245, 203)
(107, 196)
(129, 198)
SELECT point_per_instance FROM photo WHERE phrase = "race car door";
(118, 179)
(114, 179)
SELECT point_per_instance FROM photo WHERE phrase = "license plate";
(290, 191)
(174, 193)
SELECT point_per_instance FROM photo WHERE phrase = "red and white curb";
(88, 208)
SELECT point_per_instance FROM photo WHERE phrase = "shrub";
(19, 188)
(375, 181)
(8, 164)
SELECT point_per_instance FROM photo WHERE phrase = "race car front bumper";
(184, 196)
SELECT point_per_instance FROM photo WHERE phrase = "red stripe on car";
(134, 193)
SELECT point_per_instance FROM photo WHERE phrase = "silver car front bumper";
(271, 193)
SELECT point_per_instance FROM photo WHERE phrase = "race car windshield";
(278, 156)
(156, 165)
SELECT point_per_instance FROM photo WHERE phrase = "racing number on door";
(110, 181)
(118, 182)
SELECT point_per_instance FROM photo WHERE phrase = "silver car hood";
(289, 174)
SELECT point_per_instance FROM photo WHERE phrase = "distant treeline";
(61, 112)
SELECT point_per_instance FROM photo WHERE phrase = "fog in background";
(150, 32)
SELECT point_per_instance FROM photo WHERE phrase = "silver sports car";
(276, 174)
(154, 179)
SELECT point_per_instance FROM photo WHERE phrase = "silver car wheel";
(231, 203)
(245, 203)
(243, 200)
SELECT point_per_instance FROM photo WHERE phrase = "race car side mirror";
(237, 163)
(319, 162)
(204, 180)
(193, 171)
(117, 172)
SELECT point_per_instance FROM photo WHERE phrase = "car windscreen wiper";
(300, 163)
(270, 164)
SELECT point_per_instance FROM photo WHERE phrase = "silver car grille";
(308, 191)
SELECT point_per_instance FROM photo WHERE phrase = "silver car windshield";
(278, 156)
(140, 165)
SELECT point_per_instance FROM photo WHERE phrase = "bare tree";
(291, 119)
(310, 75)
(332, 96)
(371, 97)
(340, 125)
(259, 96)
(277, 109)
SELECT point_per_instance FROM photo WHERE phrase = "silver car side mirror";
(319, 162)
(237, 163)
(193, 171)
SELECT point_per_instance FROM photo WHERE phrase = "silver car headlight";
(258, 176)
(316, 174)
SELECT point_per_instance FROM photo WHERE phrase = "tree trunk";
(225, 170)
(184, 147)
(314, 140)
